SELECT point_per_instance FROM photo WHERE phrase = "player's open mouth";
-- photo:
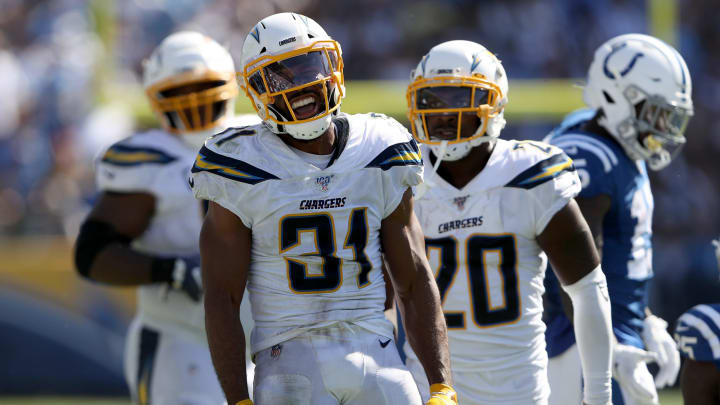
(305, 105)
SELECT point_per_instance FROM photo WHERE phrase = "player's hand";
(658, 341)
(716, 244)
(186, 277)
(442, 394)
(631, 372)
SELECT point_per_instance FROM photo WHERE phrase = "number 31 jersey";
(481, 243)
(315, 232)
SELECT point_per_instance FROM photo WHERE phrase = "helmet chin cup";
(452, 152)
(309, 130)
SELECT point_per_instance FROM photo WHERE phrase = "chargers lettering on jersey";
(460, 224)
(323, 204)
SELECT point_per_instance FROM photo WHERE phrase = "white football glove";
(631, 372)
(186, 277)
(716, 243)
(658, 340)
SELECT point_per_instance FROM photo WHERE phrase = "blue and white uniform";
(604, 168)
(697, 333)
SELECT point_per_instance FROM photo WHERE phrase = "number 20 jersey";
(481, 243)
(315, 232)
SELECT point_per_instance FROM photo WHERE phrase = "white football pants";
(526, 385)
(338, 365)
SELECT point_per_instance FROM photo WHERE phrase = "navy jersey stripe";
(149, 342)
(124, 155)
(400, 154)
(209, 161)
(542, 172)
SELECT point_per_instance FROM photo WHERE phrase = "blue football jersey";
(697, 333)
(604, 168)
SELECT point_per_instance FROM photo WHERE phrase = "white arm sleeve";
(593, 332)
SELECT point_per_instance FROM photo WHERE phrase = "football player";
(697, 334)
(493, 211)
(144, 228)
(300, 210)
(638, 91)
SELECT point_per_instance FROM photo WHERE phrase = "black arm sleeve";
(93, 238)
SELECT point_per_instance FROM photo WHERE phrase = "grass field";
(667, 397)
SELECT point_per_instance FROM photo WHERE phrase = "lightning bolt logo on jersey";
(604, 168)
(489, 267)
(315, 232)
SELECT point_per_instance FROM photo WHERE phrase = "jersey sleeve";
(593, 161)
(551, 183)
(697, 333)
(133, 169)
(400, 164)
(225, 180)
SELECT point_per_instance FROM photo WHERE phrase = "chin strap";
(423, 187)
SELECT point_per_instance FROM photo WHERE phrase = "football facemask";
(193, 101)
(296, 85)
(658, 126)
(438, 107)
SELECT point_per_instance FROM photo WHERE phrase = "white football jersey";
(315, 232)
(158, 163)
(481, 243)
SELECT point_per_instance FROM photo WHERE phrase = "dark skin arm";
(418, 296)
(225, 244)
(130, 214)
(390, 313)
(700, 382)
(593, 210)
(569, 245)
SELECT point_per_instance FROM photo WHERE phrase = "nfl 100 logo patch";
(460, 201)
(323, 182)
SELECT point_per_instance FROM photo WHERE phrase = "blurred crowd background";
(69, 68)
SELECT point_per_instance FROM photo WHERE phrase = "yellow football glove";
(442, 394)
(244, 402)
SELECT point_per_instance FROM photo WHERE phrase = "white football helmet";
(457, 78)
(643, 88)
(190, 81)
(293, 74)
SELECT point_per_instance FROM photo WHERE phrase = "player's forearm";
(227, 345)
(593, 331)
(426, 330)
(119, 264)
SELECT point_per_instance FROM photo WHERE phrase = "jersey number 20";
(484, 313)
